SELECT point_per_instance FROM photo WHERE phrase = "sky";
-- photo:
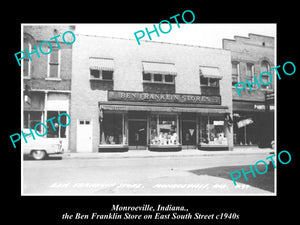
(208, 35)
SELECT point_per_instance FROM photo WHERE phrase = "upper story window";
(265, 66)
(26, 62)
(147, 77)
(101, 69)
(54, 63)
(169, 79)
(209, 80)
(209, 76)
(250, 73)
(158, 78)
(235, 73)
(159, 72)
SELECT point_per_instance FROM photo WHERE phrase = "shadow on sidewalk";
(28, 158)
(262, 181)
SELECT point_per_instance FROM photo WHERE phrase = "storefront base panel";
(159, 148)
(184, 147)
(142, 148)
(113, 148)
(165, 148)
(268, 145)
(246, 146)
(213, 148)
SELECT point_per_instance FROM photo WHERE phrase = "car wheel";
(38, 154)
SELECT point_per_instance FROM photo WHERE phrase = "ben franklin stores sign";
(167, 98)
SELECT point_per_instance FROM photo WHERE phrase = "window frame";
(101, 75)
(163, 81)
(209, 82)
(111, 128)
(208, 131)
(60, 129)
(161, 78)
(265, 87)
(173, 78)
(268, 66)
(237, 74)
(251, 75)
(28, 118)
(28, 62)
(147, 80)
(49, 63)
(155, 126)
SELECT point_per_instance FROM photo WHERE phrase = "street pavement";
(187, 172)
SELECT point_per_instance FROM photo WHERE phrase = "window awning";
(102, 64)
(210, 72)
(162, 68)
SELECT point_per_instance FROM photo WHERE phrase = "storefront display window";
(31, 118)
(163, 130)
(111, 129)
(245, 129)
(60, 131)
(212, 130)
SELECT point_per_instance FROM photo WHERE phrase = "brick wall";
(253, 49)
(37, 34)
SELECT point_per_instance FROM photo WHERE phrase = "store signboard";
(259, 107)
(218, 122)
(169, 98)
(245, 122)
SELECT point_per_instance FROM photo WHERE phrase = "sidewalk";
(152, 154)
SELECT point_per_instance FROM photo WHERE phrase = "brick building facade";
(253, 111)
(46, 79)
(151, 96)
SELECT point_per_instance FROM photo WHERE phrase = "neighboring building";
(155, 96)
(253, 111)
(47, 80)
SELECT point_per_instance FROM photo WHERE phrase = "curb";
(149, 154)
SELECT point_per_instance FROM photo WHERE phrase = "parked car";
(40, 148)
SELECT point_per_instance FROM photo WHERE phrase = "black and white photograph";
(131, 114)
(144, 109)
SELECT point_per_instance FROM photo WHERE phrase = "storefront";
(253, 123)
(153, 97)
(162, 122)
(40, 106)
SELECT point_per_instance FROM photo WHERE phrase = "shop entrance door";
(137, 134)
(84, 136)
(188, 134)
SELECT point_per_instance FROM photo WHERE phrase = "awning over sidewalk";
(163, 107)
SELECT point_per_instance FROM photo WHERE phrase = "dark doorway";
(188, 134)
(137, 134)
